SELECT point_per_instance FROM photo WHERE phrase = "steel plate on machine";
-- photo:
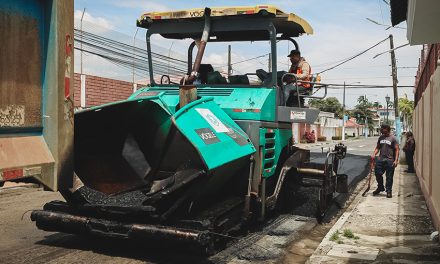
(297, 114)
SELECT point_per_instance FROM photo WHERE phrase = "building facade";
(385, 114)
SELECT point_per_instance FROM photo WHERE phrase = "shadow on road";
(355, 166)
(131, 249)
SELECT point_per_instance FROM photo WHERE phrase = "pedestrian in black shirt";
(388, 149)
(409, 148)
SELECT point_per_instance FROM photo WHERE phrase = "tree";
(390, 104)
(377, 105)
(362, 111)
(330, 104)
(362, 100)
(406, 108)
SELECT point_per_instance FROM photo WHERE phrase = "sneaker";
(377, 191)
(389, 194)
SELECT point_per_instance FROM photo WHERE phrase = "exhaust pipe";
(201, 47)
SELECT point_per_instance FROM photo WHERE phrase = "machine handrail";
(319, 86)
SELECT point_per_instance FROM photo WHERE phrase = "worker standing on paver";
(388, 149)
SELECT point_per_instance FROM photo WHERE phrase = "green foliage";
(322, 138)
(406, 108)
(348, 233)
(377, 105)
(362, 112)
(330, 104)
(335, 236)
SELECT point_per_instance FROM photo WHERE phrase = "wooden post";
(394, 75)
(187, 94)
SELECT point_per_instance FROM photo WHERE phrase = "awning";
(399, 9)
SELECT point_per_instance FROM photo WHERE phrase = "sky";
(340, 31)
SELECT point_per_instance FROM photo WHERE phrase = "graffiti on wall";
(12, 116)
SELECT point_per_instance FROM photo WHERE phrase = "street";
(211, 132)
(22, 242)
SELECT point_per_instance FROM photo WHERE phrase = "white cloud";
(144, 6)
(102, 23)
(341, 30)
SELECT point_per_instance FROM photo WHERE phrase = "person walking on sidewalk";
(388, 149)
(409, 148)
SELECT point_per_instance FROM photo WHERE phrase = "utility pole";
(343, 114)
(229, 61)
(366, 117)
(396, 97)
(134, 51)
(81, 45)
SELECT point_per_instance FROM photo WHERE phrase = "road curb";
(326, 244)
(20, 186)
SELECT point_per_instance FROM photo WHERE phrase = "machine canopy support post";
(188, 93)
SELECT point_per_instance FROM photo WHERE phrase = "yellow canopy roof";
(230, 11)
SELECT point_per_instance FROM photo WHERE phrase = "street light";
(343, 111)
(387, 99)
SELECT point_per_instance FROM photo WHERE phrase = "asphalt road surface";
(355, 165)
(22, 242)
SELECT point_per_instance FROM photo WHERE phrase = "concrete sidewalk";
(376, 229)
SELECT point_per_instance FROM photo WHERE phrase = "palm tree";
(406, 108)
(377, 105)
(390, 104)
(362, 100)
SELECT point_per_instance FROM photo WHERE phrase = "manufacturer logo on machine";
(212, 120)
(207, 135)
(197, 13)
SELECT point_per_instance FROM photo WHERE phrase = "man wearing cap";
(388, 149)
(302, 70)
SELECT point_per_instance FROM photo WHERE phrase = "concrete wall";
(427, 156)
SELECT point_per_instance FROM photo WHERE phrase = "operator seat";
(204, 70)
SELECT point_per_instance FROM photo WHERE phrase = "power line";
(127, 56)
(254, 58)
(366, 78)
(354, 56)
(363, 86)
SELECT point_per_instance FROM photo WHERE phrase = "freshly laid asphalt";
(22, 242)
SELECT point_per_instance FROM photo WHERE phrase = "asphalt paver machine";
(198, 160)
